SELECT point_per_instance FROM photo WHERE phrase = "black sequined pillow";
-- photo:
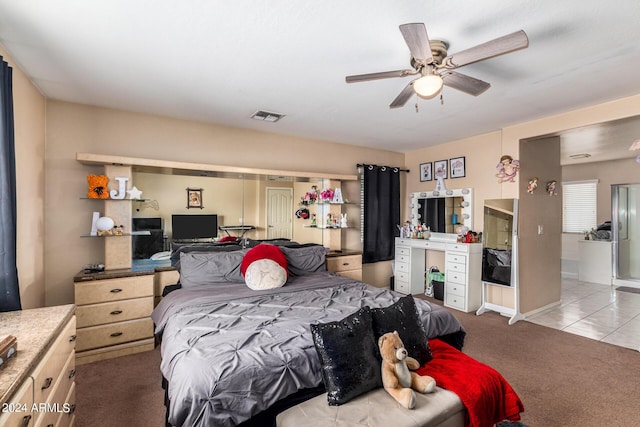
(402, 316)
(349, 356)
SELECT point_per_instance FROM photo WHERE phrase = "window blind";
(579, 202)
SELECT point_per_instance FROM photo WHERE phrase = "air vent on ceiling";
(267, 116)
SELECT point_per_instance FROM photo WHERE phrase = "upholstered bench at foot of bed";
(377, 409)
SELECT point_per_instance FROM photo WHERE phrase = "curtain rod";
(390, 167)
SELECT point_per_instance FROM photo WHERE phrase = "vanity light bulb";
(436, 193)
(449, 192)
(465, 216)
(465, 191)
(423, 194)
(411, 206)
(464, 204)
(412, 216)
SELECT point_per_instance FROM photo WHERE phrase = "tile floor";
(595, 311)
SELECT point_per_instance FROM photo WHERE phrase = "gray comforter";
(229, 352)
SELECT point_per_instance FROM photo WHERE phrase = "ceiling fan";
(434, 67)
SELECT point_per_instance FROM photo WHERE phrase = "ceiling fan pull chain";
(417, 109)
(441, 100)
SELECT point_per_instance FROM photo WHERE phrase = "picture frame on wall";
(425, 172)
(194, 198)
(440, 169)
(457, 167)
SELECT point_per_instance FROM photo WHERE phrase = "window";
(579, 206)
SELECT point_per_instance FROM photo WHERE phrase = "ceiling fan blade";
(464, 83)
(500, 46)
(404, 96)
(415, 35)
(376, 76)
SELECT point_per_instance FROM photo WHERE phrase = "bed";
(230, 354)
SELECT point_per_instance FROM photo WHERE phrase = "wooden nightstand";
(346, 264)
(113, 316)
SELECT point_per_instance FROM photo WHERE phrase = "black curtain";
(9, 289)
(381, 212)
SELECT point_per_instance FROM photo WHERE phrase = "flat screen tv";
(194, 227)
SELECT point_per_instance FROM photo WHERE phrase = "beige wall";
(29, 122)
(539, 250)
(625, 171)
(75, 128)
(607, 173)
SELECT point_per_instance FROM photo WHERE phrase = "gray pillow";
(305, 259)
(205, 268)
(179, 248)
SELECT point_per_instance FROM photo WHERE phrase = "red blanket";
(485, 393)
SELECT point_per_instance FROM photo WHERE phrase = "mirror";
(239, 201)
(445, 212)
(500, 227)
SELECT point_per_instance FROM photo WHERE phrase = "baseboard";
(541, 309)
(114, 351)
(628, 283)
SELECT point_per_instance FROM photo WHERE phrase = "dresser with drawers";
(37, 384)
(113, 314)
(462, 269)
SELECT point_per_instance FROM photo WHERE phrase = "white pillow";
(265, 274)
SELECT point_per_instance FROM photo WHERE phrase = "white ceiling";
(220, 61)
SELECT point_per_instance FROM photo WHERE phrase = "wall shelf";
(133, 233)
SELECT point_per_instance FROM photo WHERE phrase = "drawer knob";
(116, 334)
(26, 420)
(345, 263)
(116, 290)
(47, 383)
(116, 312)
(72, 373)
(72, 338)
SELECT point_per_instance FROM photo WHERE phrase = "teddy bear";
(397, 376)
(98, 187)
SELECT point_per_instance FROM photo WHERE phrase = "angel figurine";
(507, 169)
(533, 184)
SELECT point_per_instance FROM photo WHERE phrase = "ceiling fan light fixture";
(428, 86)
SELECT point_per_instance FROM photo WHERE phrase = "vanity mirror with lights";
(444, 212)
(447, 213)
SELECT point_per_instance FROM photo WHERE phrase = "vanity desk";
(462, 269)
(462, 261)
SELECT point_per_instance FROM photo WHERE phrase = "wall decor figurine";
(533, 184)
(507, 169)
(122, 185)
(551, 187)
(98, 187)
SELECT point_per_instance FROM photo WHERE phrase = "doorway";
(279, 213)
(625, 228)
